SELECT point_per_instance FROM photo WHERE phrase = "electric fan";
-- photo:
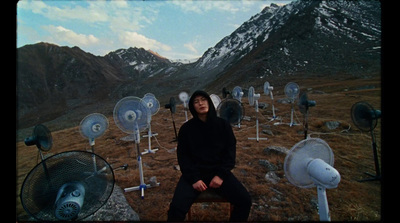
(131, 115)
(253, 100)
(225, 93)
(67, 187)
(309, 163)
(268, 91)
(184, 97)
(365, 117)
(292, 91)
(231, 110)
(216, 100)
(41, 137)
(304, 104)
(93, 126)
(154, 106)
(237, 93)
(172, 108)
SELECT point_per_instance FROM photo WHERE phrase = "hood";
(211, 109)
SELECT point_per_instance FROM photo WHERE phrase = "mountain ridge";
(307, 38)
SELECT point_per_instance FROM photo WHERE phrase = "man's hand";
(200, 186)
(216, 182)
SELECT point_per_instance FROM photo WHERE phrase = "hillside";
(304, 38)
(272, 200)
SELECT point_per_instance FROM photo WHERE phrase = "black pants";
(231, 189)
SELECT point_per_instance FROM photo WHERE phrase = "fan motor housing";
(69, 201)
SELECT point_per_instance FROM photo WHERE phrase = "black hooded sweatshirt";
(205, 148)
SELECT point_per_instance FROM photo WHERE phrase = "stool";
(206, 196)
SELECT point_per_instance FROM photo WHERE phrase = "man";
(206, 155)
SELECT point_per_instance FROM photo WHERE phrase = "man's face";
(200, 104)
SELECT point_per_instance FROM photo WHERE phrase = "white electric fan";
(253, 100)
(93, 126)
(131, 115)
(268, 91)
(309, 163)
(215, 100)
(154, 105)
(292, 91)
(184, 97)
(237, 93)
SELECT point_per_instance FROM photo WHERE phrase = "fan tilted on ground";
(231, 110)
(132, 116)
(304, 104)
(309, 163)
(253, 101)
(67, 186)
(153, 104)
(292, 91)
(365, 117)
(268, 91)
(41, 137)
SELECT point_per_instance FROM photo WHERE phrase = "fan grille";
(39, 189)
(231, 110)
(300, 154)
(363, 116)
(68, 211)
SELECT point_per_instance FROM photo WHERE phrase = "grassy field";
(280, 201)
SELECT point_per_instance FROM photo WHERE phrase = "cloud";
(59, 34)
(134, 39)
(200, 7)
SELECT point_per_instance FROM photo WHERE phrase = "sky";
(175, 29)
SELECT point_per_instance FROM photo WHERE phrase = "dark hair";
(212, 114)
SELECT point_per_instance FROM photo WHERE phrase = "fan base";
(374, 178)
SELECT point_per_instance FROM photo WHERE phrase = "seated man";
(206, 154)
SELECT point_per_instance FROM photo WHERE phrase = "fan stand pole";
(291, 114)
(376, 160)
(257, 135)
(323, 209)
(305, 123)
(91, 142)
(149, 135)
(273, 108)
(142, 185)
(173, 122)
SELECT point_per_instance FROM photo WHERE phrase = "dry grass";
(282, 201)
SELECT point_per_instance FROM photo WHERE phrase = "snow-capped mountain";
(305, 37)
(301, 38)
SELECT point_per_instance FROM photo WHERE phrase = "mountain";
(309, 38)
(52, 80)
(306, 37)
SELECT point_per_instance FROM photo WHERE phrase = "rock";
(267, 164)
(332, 125)
(117, 208)
(278, 150)
(272, 177)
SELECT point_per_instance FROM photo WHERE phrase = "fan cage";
(295, 165)
(231, 110)
(40, 187)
